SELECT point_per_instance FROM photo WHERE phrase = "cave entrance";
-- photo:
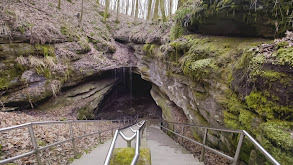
(129, 98)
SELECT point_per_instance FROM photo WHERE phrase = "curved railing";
(37, 149)
(234, 159)
(136, 135)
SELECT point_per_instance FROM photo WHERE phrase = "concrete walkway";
(164, 150)
(97, 155)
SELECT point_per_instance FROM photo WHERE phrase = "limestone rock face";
(262, 18)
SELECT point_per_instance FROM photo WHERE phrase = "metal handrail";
(242, 133)
(128, 139)
(72, 138)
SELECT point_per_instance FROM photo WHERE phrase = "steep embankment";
(243, 83)
(44, 49)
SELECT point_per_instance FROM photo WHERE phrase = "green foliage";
(41, 143)
(85, 114)
(44, 71)
(45, 50)
(64, 30)
(23, 28)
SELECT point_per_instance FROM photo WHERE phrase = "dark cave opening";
(129, 98)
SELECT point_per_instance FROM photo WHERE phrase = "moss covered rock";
(262, 18)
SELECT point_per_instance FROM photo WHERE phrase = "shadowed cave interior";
(129, 98)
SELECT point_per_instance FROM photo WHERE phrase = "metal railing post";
(35, 144)
(235, 160)
(112, 132)
(73, 140)
(129, 144)
(203, 145)
(100, 137)
(182, 134)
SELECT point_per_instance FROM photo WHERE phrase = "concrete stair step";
(165, 151)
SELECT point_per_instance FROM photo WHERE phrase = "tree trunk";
(127, 6)
(132, 11)
(136, 9)
(59, 4)
(170, 8)
(156, 11)
(149, 9)
(162, 6)
(106, 10)
(81, 14)
(118, 6)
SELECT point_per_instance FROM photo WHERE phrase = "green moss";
(45, 50)
(282, 44)
(124, 156)
(265, 106)
(176, 31)
(277, 140)
(198, 69)
(284, 56)
(150, 49)
(256, 64)
(273, 76)
(7, 75)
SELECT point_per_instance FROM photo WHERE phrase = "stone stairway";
(165, 151)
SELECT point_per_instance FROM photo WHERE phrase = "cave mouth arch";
(129, 98)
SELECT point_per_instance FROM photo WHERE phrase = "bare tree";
(136, 9)
(162, 6)
(170, 8)
(59, 4)
(81, 14)
(127, 6)
(132, 11)
(156, 11)
(118, 6)
(149, 9)
(106, 10)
